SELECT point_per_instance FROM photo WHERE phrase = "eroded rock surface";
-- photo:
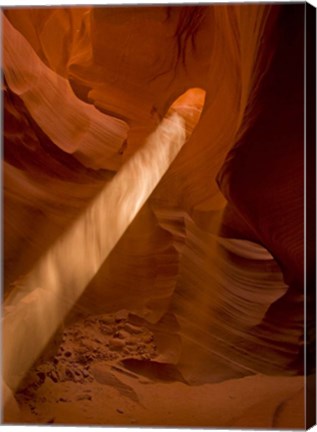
(199, 299)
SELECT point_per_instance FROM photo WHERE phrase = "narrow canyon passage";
(142, 260)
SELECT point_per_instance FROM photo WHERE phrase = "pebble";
(69, 373)
(106, 329)
(132, 329)
(121, 334)
(121, 315)
(107, 319)
(132, 341)
(127, 350)
(53, 376)
(41, 376)
(116, 343)
(85, 373)
(84, 397)
(148, 338)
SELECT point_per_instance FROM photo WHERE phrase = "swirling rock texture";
(180, 306)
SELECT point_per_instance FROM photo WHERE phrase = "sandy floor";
(104, 373)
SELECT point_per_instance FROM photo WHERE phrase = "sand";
(103, 372)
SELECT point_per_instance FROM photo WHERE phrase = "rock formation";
(153, 167)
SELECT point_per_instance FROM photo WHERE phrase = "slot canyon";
(153, 188)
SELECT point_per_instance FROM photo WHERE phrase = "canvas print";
(158, 252)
